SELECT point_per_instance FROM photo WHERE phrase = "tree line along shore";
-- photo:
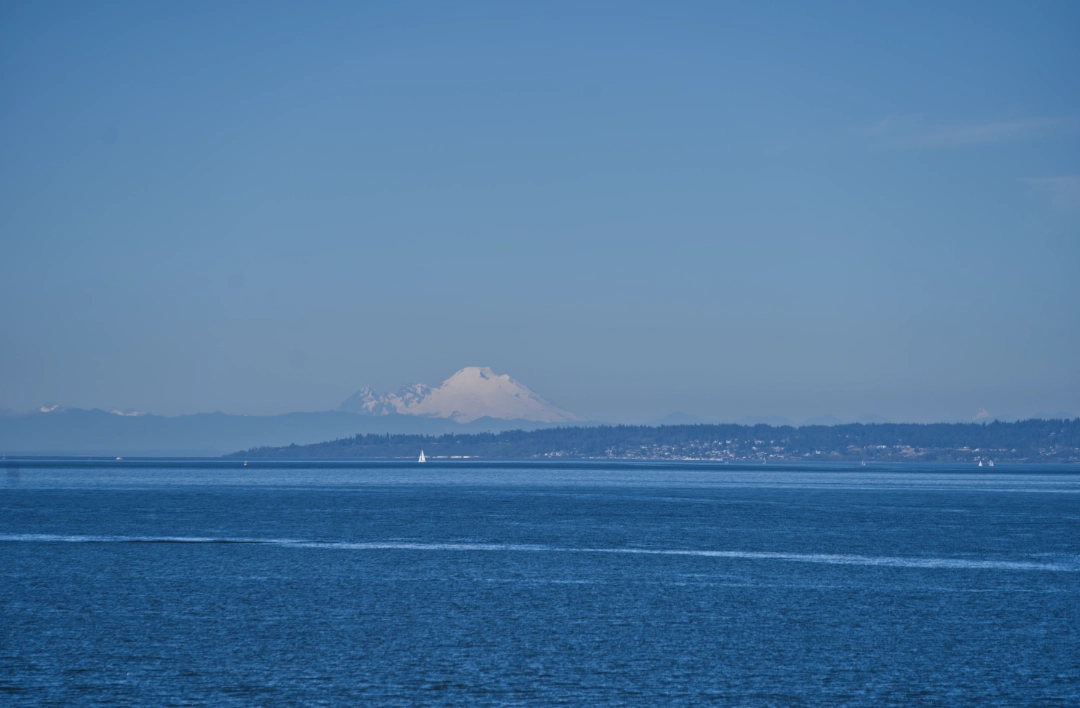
(1036, 440)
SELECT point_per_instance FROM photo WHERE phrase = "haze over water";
(534, 583)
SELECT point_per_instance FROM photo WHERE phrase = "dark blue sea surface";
(206, 583)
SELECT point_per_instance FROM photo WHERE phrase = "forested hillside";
(1028, 441)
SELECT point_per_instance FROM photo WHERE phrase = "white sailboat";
(422, 458)
(991, 463)
(980, 463)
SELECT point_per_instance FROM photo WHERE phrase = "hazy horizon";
(675, 417)
(719, 210)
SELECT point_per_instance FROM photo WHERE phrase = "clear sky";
(725, 209)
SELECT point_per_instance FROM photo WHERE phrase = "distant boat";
(119, 458)
(422, 458)
(980, 463)
(991, 463)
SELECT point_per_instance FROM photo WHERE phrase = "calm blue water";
(534, 584)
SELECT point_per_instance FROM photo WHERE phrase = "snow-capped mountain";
(472, 393)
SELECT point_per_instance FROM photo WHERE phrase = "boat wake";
(1068, 565)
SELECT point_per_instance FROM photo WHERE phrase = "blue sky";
(718, 208)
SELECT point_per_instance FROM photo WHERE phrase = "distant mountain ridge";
(76, 431)
(470, 394)
(475, 399)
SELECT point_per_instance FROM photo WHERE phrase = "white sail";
(422, 458)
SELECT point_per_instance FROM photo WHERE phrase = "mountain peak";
(471, 393)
